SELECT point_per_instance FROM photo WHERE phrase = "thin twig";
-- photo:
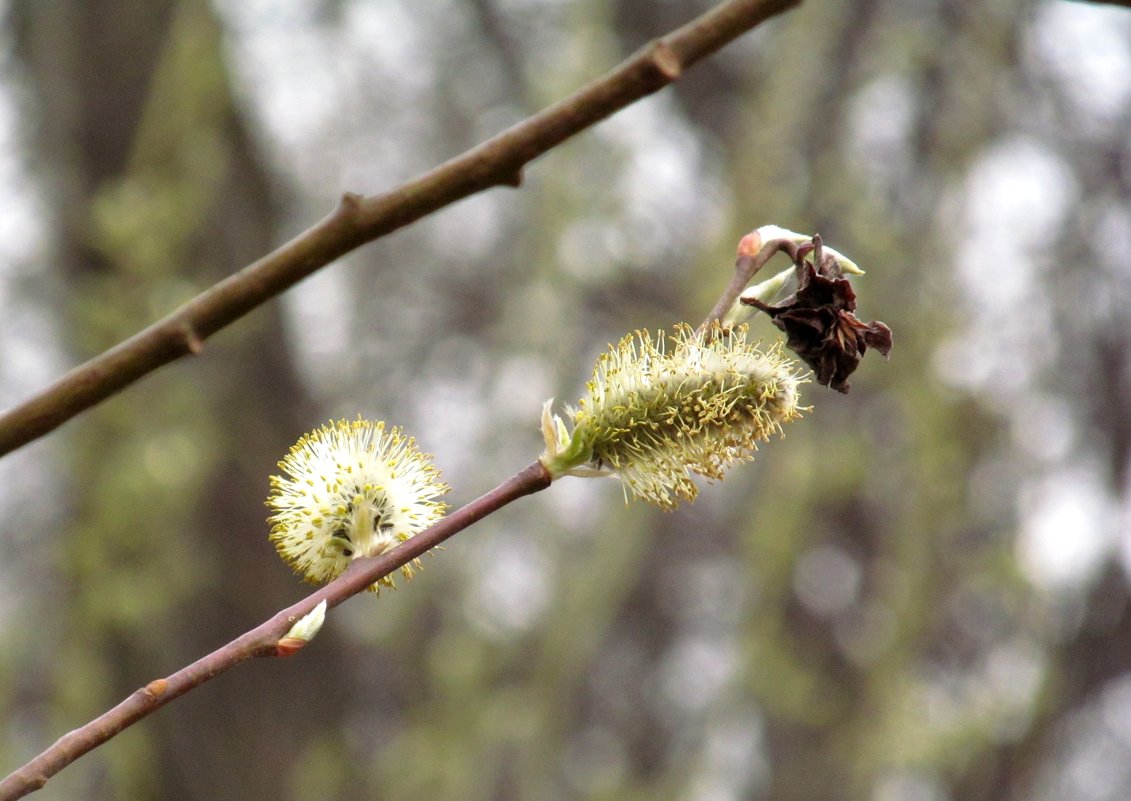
(745, 268)
(262, 640)
(497, 162)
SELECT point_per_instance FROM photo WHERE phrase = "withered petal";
(877, 335)
(821, 327)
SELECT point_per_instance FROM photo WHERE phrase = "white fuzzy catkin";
(351, 489)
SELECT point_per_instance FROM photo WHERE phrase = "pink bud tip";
(750, 244)
(289, 646)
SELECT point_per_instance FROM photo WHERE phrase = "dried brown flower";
(820, 322)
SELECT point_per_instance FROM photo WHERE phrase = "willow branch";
(499, 161)
(262, 640)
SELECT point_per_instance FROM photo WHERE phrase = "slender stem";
(262, 640)
(497, 162)
(745, 268)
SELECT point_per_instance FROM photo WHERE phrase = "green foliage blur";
(918, 594)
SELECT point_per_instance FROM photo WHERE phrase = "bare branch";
(1125, 3)
(497, 162)
(262, 640)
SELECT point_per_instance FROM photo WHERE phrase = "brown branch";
(262, 640)
(357, 220)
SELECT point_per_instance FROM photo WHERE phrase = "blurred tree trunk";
(156, 191)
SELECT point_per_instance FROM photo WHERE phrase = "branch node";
(351, 202)
(192, 339)
(512, 179)
(666, 61)
(156, 688)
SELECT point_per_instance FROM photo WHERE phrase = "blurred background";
(919, 594)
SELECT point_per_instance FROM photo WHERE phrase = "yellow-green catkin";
(657, 411)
